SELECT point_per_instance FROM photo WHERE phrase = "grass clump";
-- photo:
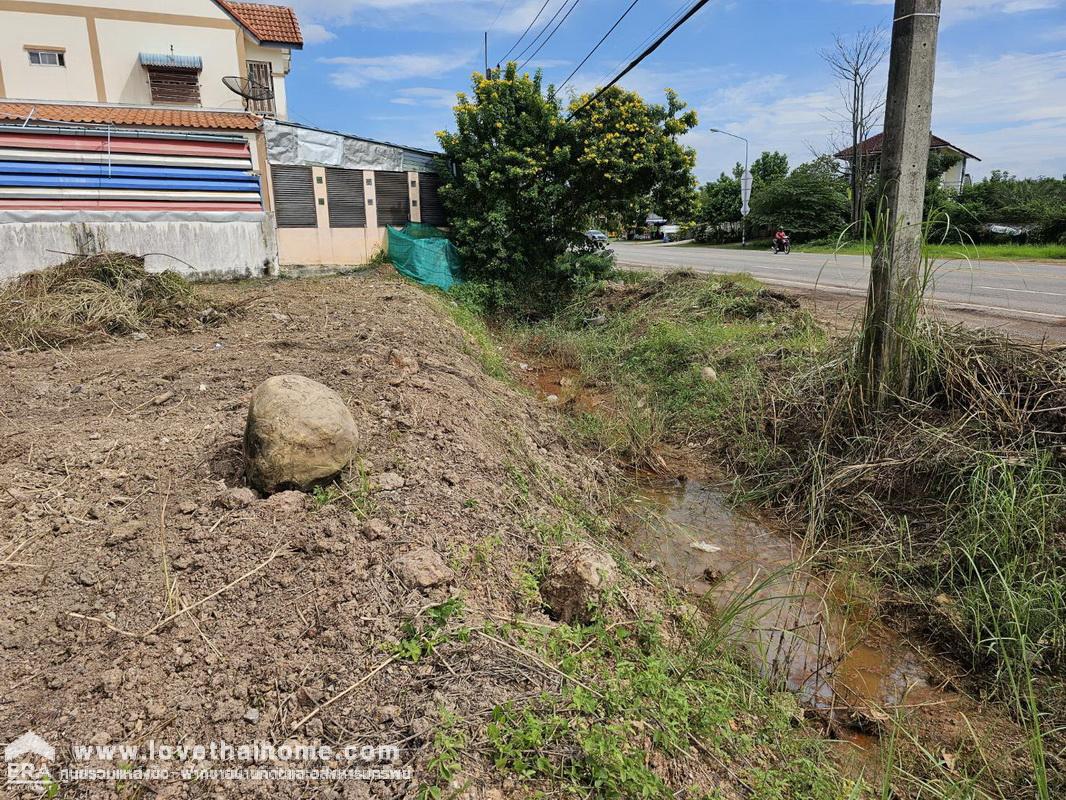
(643, 717)
(88, 296)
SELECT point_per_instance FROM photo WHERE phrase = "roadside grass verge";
(954, 496)
(957, 251)
(678, 354)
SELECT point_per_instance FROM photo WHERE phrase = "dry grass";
(97, 295)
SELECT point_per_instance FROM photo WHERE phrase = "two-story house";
(122, 113)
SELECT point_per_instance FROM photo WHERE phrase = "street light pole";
(745, 187)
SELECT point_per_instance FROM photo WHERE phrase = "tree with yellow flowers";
(523, 177)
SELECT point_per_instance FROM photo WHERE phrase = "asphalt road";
(1033, 292)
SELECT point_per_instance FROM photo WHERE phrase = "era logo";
(21, 756)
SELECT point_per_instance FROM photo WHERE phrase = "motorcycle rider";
(780, 239)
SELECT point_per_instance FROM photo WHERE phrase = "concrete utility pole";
(896, 283)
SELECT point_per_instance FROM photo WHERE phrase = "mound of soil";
(94, 296)
(148, 595)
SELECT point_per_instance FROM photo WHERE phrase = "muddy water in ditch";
(816, 634)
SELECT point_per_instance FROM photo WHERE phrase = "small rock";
(552, 398)
(387, 481)
(279, 317)
(138, 336)
(404, 361)
(156, 711)
(251, 715)
(111, 680)
(375, 529)
(187, 506)
(575, 581)
(86, 578)
(288, 502)
(705, 547)
(709, 374)
(422, 569)
(124, 532)
(712, 575)
(240, 497)
(160, 399)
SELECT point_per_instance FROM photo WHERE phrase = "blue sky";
(389, 69)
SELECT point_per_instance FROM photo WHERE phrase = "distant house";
(954, 178)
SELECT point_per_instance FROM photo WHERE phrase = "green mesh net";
(424, 254)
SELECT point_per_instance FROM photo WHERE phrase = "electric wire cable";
(499, 13)
(592, 52)
(555, 16)
(644, 43)
(529, 27)
(651, 49)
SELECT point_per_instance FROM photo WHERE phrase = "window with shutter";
(429, 199)
(261, 72)
(347, 202)
(171, 85)
(294, 197)
(394, 201)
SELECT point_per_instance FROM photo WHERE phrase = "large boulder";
(299, 434)
(576, 581)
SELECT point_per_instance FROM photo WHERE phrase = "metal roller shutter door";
(347, 201)
(429, 199)
(393, 198)
(294, 197)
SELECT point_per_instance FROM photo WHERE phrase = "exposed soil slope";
(120, 470)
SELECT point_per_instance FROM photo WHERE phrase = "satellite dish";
(247, 88)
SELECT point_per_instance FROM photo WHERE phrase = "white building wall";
(23, 79)
(126, 81)
(206, 245)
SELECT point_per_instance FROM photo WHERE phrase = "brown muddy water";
(816, 635)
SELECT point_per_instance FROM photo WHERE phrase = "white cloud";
(315, 33)
(954, 11)
(355, 72)
(423, 96)
(500, 16)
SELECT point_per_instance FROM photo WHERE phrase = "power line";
(499, 14)
(647, 39)
(529, 27)
(633, 64)
(592, 52)
(544, 30)
(550, 35)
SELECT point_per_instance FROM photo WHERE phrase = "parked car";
(598, 239)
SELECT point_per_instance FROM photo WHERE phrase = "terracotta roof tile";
(125, 115)
(268, 23)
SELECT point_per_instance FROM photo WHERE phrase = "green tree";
(719, 201)
(528, 178)
(768, 168)
(811, 203)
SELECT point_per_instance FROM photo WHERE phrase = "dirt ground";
(118, 468)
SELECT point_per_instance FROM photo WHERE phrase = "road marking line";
(1023, 291)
